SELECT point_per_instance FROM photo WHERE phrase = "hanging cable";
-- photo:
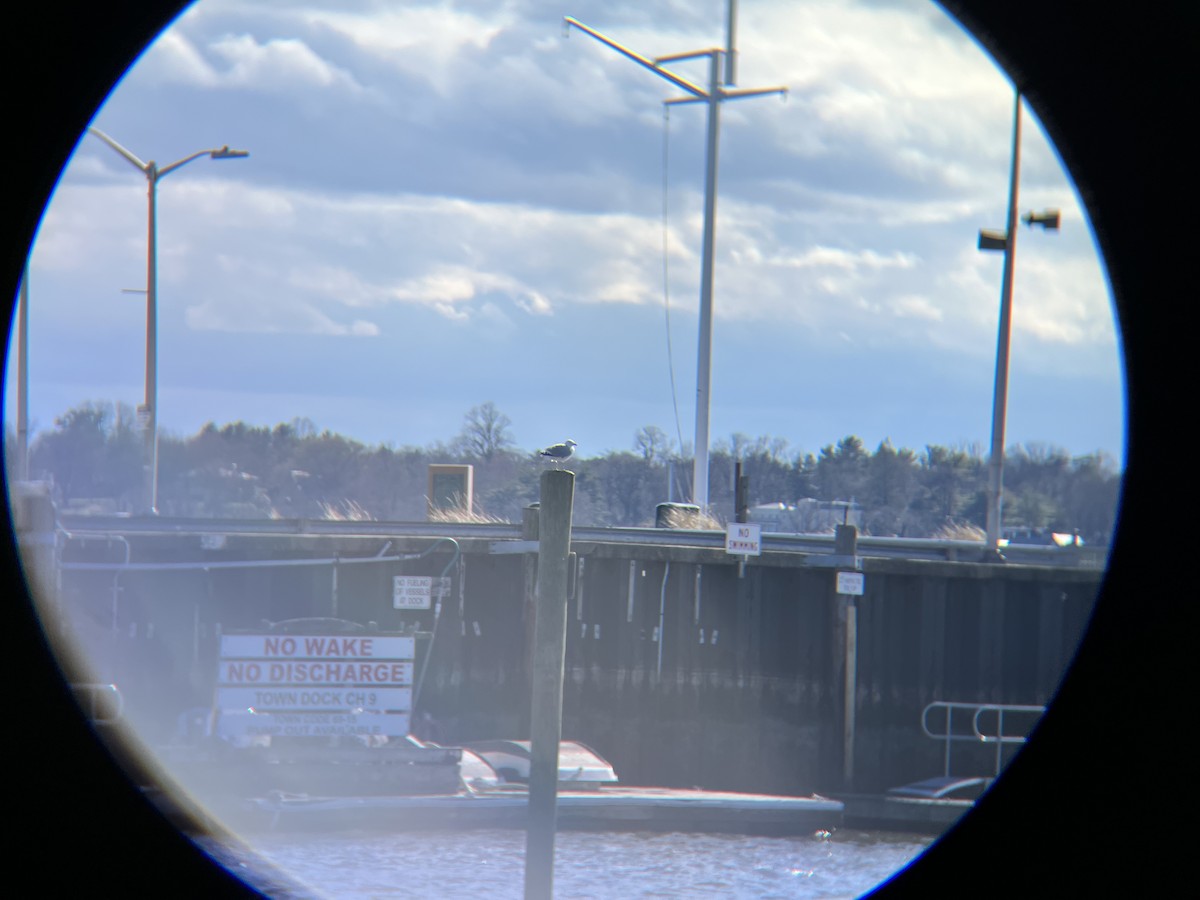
(437, 616)
(665, 269)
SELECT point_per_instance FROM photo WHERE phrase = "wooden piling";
(846, 544)
(549, 652)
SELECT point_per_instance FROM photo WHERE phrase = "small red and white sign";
(743, 538)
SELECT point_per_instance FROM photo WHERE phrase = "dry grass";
(462, 515)
(960, 531)
(691, 520)
(346, 511)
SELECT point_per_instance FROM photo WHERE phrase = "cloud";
(241, 62)
(174, 58)
(425, 42)
(462, 168)
(1061, 302)
(301, 318)
(845, 260)
(281, 64)
(913, 307)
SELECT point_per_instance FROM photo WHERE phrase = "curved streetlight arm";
(152, 171)
(182, 162)
(651, 64)
(145, 167)
(221, 153)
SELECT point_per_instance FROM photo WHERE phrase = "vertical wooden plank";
(554, 544)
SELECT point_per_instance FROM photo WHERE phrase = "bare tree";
(485, 432)
(653, 444)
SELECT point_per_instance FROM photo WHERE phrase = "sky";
(453, 203)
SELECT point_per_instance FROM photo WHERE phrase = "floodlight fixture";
(990, 239)
(1047, 218)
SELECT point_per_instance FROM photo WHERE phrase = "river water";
(589, 865)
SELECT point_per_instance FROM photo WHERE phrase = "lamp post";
(150, 409)
(1006, 242)
(712, 96)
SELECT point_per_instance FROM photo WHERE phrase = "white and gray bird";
(559, 452)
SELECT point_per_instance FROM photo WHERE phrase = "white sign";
(308, 685)
(744, 538)
(411, 591)
(850, 583)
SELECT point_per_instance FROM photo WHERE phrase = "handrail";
(978, 733)
(92, 700)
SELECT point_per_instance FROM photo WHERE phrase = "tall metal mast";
(713, 97)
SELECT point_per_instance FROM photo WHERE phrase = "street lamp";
(1006, 242)
(150, 409)
(715, 94)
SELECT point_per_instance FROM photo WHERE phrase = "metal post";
(713, 96)
(704, 362)
(153, 173)
(151, 403)
(1000, 391)
(741, 493)
(549, 653)
(845, 543)
(849, 697)
(730, 43)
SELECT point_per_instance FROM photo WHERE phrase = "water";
(589, 866)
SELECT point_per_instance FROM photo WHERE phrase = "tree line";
(93, 458)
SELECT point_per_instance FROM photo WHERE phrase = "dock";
(882, 812)
(600, 809)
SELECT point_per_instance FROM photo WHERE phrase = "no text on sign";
(850, 583)
(743, 538)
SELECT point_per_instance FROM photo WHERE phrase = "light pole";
(712, 97)
(150, 409)
(1006, 242)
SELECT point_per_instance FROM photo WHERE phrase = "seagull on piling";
(559, 452)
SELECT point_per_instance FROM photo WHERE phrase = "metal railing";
(868, 546)
(980, 717)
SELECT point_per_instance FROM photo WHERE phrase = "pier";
(685, 666)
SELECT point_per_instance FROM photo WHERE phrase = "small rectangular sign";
(850, 583)
(744, 538)
(310, 685)
(411, 591)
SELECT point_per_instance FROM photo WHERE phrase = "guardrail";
(979, 733)
(868, 546)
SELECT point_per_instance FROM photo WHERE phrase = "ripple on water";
(589, 865)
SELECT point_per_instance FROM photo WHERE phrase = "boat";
(494, 793)
(932, 805)
(312, 725)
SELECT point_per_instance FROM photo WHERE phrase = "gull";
(559, 452)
